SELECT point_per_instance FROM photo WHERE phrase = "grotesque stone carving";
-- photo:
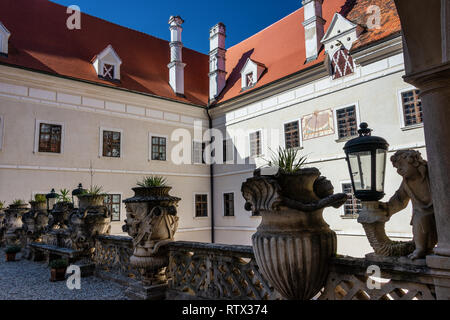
(35, 222)
(151, 222)
(415, 187)
(293, 242)
(13, 224)
(2, 227)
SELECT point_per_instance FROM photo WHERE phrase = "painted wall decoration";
(318, 124)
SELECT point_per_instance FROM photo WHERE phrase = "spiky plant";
(152, 181)
(64, 196)
(18, 202)
(40, 198)
(287, 160)
(94, 191)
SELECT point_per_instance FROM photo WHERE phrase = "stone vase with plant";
(13, 222)
(293, 243)
(152, 222)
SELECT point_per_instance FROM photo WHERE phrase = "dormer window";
(251, 73)
(107, 64)
(4, 38)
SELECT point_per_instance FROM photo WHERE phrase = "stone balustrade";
(112, 258)
(215, 271)
(400, 279)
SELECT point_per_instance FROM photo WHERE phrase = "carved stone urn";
(90, 220)
(2, 227)
(293, 243)
(13, 224)
(59, 216)
(35, 222)
(152, 223)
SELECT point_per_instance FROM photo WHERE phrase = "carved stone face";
(132, 220)
(405, 169)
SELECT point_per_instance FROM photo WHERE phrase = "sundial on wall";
(317, 124)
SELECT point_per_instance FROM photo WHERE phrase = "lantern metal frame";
(367, 143)
(51, 195)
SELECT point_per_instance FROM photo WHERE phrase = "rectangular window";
(412, 107)
(1, 132)
(228, 204)
(353, 206)
(228, 154)
(346, 122)
(201, 205)
(159, 148)
(50, 138)
(255, 144)
(111, 144)
(292, 135)
(112, 202)
(198, 149)
(108, 71)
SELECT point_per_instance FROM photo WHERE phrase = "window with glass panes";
(346, 122)
(201, 205)
(412, 107)
(112, 202)
(50, 138)
(255, 144)
(228, 204)
(159, 146)
(353, 206)
(292, 134)
(111, 144)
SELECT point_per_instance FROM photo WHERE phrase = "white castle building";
(106, 105)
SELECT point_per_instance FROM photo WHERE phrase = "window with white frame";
(49, 137)
(228, 150)
(412, 108)
(201, 205)
(346, 122)
(353, 206)
(1, 132)
(110, 143)
(228, 204)
(113, 203)
(159, 148)
(292, 134)
(255, 144)
(198, 149)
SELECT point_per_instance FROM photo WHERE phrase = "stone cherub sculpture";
(415, 187)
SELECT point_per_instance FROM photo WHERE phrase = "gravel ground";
(27, 280)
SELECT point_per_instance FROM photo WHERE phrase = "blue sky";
(242, 18)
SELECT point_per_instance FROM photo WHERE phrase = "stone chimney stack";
(217, 52)
(176, 65)
(314, 27)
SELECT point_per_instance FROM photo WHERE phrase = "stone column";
(434, 84)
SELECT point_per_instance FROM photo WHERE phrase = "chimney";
(176, 65)
(314, 27)
(217, 52)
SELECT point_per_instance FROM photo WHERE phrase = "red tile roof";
(281, 47)
(41, 41)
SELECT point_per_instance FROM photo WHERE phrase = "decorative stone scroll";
(293, 243)
(35, 223)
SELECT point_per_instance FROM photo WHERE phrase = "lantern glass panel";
(51, 203)
(361, 167)
(381, 167)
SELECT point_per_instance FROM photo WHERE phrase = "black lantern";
(51, 199)
(77, 192)
(366, 158)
